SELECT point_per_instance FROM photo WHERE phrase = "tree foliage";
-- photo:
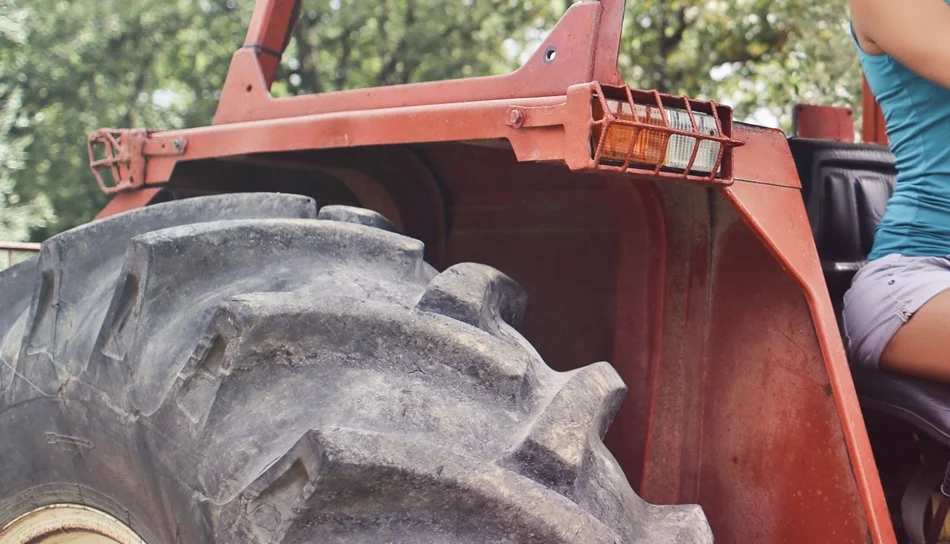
(759, 56)
(17, 216)
(83, 64)
(342, 44)
(108, 63)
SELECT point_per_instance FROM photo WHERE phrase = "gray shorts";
(884, 295)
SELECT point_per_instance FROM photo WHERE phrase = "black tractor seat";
(846, 187)
(923, 404)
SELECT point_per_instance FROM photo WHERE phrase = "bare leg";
(921, 348)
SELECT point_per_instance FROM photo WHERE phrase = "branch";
(141, 77)
(671, 42)
(307, 70)
(389, 67)
(668, 44)
(346, 54)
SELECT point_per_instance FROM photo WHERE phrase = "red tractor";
(275, 331)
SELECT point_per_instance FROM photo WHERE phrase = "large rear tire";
(239, 369)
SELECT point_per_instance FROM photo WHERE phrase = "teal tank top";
(916, 221)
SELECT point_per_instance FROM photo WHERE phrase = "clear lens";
(681, 147)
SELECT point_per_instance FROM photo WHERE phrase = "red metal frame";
(543, 109)
(269, 33)
(704, 290)
(823, 122)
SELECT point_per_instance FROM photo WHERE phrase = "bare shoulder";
(915, 32)
(864, 40)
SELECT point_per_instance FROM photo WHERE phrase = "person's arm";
(914, 32)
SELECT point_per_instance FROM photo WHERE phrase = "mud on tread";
(240, 369)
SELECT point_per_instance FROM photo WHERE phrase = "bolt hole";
(249, 87)
(550, 54)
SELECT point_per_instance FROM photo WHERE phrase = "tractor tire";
(242, 369)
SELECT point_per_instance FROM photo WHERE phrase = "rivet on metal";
(515, 117)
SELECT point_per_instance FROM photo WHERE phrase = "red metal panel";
(769, 419)
(765, 157)
(730, 401)
(543, 109)
(744, 418)
(438, 123)
(672, 442)
(641, 284)
(779, 220)
(570, 316)
(823, 122)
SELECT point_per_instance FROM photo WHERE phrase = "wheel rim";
(68, 524)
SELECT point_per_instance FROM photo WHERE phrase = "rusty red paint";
(553, 128)
(764, 157)
(641, 238)
(823, 122)
(673, 432)
(768, 420)
(681, 462)
(779, 220)
(122, 159)
(19, 246)
(759, 439)
(123, 155)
